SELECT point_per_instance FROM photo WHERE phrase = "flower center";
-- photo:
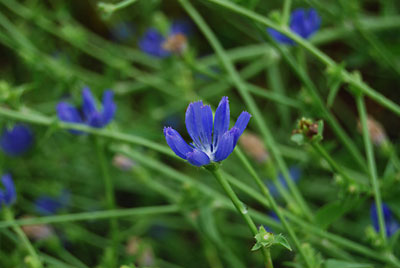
(175, 43)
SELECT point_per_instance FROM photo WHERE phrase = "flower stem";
(110, 199)
(8, 215)
(265, 191)
(241, 208)
(371, 165)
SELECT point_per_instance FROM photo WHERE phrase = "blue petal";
(151, 43)
(17, 140)
(109, 107)
(47, 205)
(391, 224)
(89, 104)
(9, 193)
(304, 22)
(225, 145)
(181, 27)
(280, 38)
(199, 124)
(241, 124)
(221, 120)
(198, 158)
(70, 114)
(176, 142)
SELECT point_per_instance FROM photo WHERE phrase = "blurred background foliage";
(52, 49)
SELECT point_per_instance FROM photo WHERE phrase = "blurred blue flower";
(302, 22)
(48, 205)
(155, 44)
(17, 140)
(90, 114)
(8, 195)
(392, 225)
(295, 175)
(209, 144)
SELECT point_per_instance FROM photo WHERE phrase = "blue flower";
(295, 174)
(90, 114)
(8, 195)
(302, 22)
(392, 225)
(155, 44)
(48, 205)
(210, 144)
(17, 140)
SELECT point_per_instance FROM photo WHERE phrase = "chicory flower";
(303, 22)
(8, 195)
(158, 45)
(211, 143)
(392, 225)
(90, 115)
(17, 140)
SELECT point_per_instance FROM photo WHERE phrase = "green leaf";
(280, 239)
(331, 212)
(297, 138)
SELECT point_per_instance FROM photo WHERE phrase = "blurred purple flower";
(157, 45)
(90, 114)
(8, 195)
(17, 140)
(48, 205)
(392, 225)
(209, 144)
(303, 22)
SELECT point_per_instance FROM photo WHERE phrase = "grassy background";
(51, 49)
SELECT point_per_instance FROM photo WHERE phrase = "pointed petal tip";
(198, 158)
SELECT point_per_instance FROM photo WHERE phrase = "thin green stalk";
(110, 199)
(335, 167)
(276, 84)
(285, 12)
(274, 205)
(110, 8)
(241, 208)
(94, 215)
(35, 118)
(346, 76)
(9, 217)
(369, 149)
(250, 103)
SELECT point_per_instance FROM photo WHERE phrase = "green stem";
(9, 217)
(335, 167)
(285, 12)
(276, 84)
(94, 215)
(110, 8)
(265, 191)
(250, 103)
(110, 199)
(241, 208)
(371, 165)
